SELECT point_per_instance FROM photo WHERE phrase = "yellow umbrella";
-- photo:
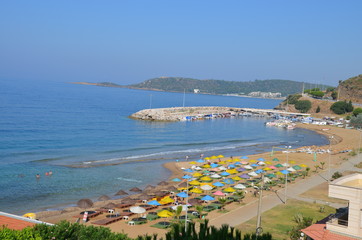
(222, 162)
(197, 174)
(232, 171)
(193, 162)
(267, 169)
(220, 156)
(206, 178)
(165, 214)
(194, 182)
(303, 165)
(229, 189)
(236, 178)
(207, 158)
(292, 162)
(166, 200)
(30, 215)
(229, 160)
(267, 162)
(236, 159)
(214, 157)
(279, 173)
(196, 190)
(206, 166)
(252, 160)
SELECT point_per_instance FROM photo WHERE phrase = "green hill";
(179, 84)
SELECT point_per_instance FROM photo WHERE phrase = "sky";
(128, 42)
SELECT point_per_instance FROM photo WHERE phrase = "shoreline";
(342, 140)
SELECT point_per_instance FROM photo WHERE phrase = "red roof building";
(16, 222)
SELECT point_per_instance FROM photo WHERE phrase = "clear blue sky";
(318, 41)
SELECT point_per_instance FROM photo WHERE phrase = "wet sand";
(343, 139)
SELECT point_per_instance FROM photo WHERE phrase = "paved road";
(248, 211)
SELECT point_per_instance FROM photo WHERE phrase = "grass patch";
(279, 220)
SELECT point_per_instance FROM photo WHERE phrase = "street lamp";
(329, 159)
(286, 174)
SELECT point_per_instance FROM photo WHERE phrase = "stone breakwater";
(199, 113)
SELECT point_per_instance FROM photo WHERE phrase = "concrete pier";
(199, 113)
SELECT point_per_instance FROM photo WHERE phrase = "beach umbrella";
(232, 171)
(222, 162)
(284, 171)
(194, 183)
(254, 165)
(292, 162)
(267, 162)
(285, 164)
(241, 169)
(271, 175)
(272, 167)
(200, 161)
(228, 181)
(266, 180)
(85, 203)
(261, 163)
(149, 188)
(176, 180)
(186, 177)
(183, 185)
(296, 167)
(110, 205)
(219, 193)
(206, 179)
(248, 167)
(278, 173)
(220, 156)
(207, 198)
(207, 158)
(244, 163)
(188, 170)
(253, 174)
(222, 168)
(229, 190)
(154, 203)
(214, 165)
(303, 165)
(196, 190)
(184, 207)
(198, 168)
(197, 174)
(224, 174)
(206, 187)
(236, 178)
(206, 166)
(252, 161)
(237, 163)
(165, 213)
(276, 160)
(261, 159)
(291, 169)
(128, 201)
(215, 175)
(182, 195)
(166, 200)
(103, 198)
(163, 183)
(213, 157)
(240, 186)
(121, 192)
(229, 160)
(278, 165)
(267, 169)
(193, 162)
(135, 189)
(30, 215)
(244, 157)
(259, 171)
(245, 176)
(218, 184)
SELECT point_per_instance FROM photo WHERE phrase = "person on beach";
(50, 173)
(37, 176)
(46, 174)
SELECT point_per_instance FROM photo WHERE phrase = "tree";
(341, 107)
(303, 105)
(318, 109)
(292, 99)
(200, 209)
(356, 121)
(178, 212)
(322, 164)
(336, 175)
(317, 94)
(357, 111)
(302, 222)
(334, 95)
(349, 106)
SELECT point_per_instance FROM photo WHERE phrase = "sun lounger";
(92, 215)
(106, 221)
(123, 205)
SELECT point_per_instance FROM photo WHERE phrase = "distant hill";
(179, 84)
(351, 89)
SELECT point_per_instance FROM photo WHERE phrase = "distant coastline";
(160, 90)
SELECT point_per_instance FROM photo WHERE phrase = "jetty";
(200, 113)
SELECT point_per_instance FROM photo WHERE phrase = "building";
(16, 222)
(346, 224)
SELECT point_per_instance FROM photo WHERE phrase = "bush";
(318, 109)
(334, 95)
(293, 99)
(303, 105)
(356, 121)
(342, 107)
(357, 111)
(317, 94)
(336, 175)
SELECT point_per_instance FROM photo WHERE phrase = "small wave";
(129, 180)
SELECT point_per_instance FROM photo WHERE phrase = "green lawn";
(279, 220)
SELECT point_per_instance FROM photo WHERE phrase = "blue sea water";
(57, 125)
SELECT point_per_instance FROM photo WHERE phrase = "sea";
(84, 135)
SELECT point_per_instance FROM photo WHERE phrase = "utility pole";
(259, 229)
(183, 101)
(286, 175)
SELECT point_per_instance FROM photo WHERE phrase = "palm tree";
(322, 165)
(200, 209)
(178, 212)
(316, 168)
(307, 170)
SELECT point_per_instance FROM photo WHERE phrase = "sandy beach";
(341, 140)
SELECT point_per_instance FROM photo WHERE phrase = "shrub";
(303, 105)
(292, 99)
(341, 107)
(318, 109)
(317, 94)
(357, 111)
(334, 95)
(356, 121)
(336, 175)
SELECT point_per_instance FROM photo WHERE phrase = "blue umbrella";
(213, 165)
(186, 177)
(244, 157)
(154, 202)
(261, 159)
(218, 184)
(188, 170)
(228, 181)
(284, 171)
(182, 195)
(207, 198)
(200, 161)
(241, 169)
(254, 165)
(259, 171)
(237, 163)
(224, 174)
(176, 180)
(245, 176)
(231, 166)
